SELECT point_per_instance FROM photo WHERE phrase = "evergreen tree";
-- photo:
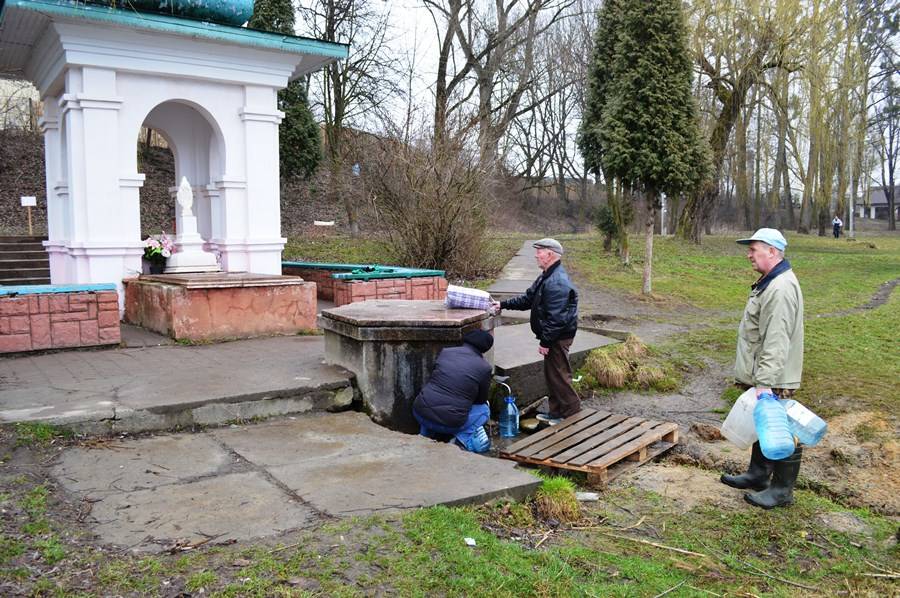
(299, 141)
(643, 127)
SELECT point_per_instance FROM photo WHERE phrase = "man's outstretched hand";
(543, 350)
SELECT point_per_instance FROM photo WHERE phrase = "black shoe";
(781, 492)
(757, 475)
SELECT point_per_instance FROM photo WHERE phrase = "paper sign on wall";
(28, 201)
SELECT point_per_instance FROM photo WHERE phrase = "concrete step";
(19, 272)
(24, 281)
(516, 355)
(167, 387)
(6, 265)
(21, 247)
(18, 254)
(18, 240)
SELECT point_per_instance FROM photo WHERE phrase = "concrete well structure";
(391, 346)
(208, 89)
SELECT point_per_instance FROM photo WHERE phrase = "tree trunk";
(740, 169)
(650, 199)
(757, 200)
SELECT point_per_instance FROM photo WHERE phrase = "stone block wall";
(343, 292)
(58, 320)
(204, 314)
(322, 278)
(424, 288)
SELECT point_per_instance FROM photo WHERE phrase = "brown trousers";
(564, 401)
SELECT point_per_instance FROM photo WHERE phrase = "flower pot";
(154, 265)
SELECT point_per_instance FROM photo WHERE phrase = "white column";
(56, 193)
(261, 118)
(872, 212)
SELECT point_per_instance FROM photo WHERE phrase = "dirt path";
(857, 464)
(878, 299)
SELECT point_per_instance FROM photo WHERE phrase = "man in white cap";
(553, 302)
(770, 358)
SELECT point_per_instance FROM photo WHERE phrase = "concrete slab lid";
(515, 345)
(404, 313)
(219, 280)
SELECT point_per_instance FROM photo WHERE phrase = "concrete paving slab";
(152, 388)
(126, 466)
(239, 506)
(410, 471)
(310, 438)
(258, 480)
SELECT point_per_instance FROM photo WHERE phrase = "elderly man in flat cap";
(770, 358)
(553, 302)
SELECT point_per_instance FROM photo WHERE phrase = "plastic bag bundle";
(465, 298)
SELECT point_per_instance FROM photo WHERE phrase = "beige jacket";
(770, 337)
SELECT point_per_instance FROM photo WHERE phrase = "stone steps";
(23, 261)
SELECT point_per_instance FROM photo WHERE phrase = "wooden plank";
(621, 428)
(646, 439)
(614, 443)
(576, 442)
(590, 425)
(546, 432)
(614, 471)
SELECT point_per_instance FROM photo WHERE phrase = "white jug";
(738, 427)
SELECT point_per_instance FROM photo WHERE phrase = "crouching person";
(454, 402)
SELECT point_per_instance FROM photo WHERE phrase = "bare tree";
(349, 93)
(486, 61)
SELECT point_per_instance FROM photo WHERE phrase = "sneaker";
(548, 419)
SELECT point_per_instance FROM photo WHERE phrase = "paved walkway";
(517, 275)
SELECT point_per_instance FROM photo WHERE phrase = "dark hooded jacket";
(553, 302)
(461, 378)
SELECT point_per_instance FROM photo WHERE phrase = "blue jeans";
(479, 415)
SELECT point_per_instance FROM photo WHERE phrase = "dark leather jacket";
(553, 302)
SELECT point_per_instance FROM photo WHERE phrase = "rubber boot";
(781, 491)
(757, 475)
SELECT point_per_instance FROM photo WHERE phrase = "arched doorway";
(198, 152)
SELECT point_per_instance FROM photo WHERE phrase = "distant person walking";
(770, 358)
(837, 224)
(553, 302)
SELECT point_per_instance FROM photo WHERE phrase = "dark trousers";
(564, 401)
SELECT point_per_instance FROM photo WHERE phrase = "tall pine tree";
(299, 140)
(641, 122)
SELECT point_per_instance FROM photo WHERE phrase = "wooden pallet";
(602, 444)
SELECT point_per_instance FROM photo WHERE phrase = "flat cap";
(551, 244)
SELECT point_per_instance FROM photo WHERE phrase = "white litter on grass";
(470, 541)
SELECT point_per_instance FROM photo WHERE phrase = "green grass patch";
(37, 433)
(834, 275)
(10, 548)
(202, 580)
(51, 549)
(631, 364)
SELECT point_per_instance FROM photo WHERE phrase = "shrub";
(431, 201)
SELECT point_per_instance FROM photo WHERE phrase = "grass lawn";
(850, 359)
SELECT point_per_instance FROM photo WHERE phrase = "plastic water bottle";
(772, 427)
(509, 418)
(808, 427)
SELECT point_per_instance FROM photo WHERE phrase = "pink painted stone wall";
(58, 320)
(343, 292)
(221, 313)
(424, 288)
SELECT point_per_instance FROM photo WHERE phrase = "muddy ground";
(857, 463)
